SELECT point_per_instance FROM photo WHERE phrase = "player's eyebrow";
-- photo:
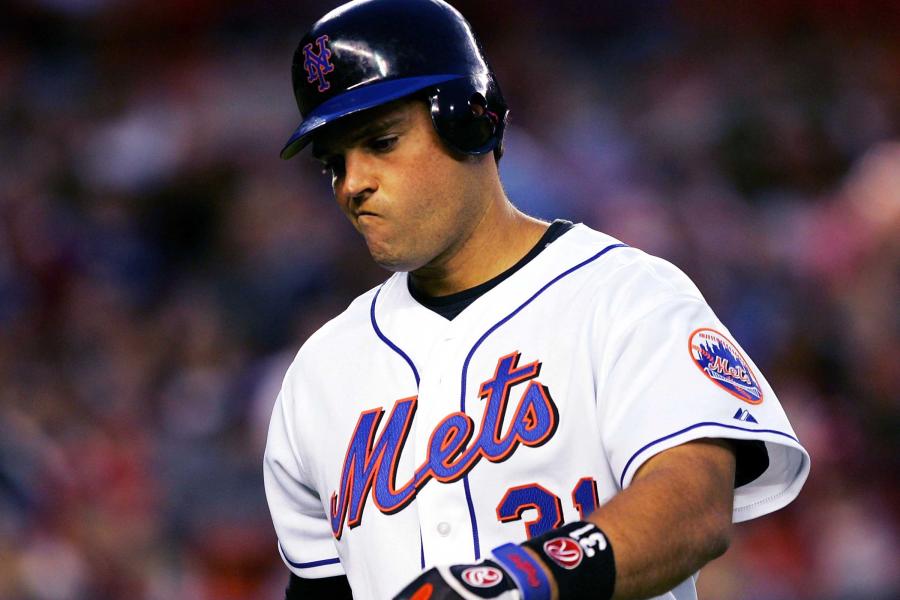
(372, 128)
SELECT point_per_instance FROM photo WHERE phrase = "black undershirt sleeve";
(333, 588)
(752, 460)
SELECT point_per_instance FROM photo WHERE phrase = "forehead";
(351, 129)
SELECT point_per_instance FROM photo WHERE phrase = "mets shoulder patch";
(720, 360)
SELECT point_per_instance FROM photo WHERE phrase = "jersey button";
(443, 529)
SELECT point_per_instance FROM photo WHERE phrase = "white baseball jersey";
(402, 440)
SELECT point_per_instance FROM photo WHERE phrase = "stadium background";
(159, 265)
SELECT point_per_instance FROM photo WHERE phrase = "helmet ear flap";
(463, 118)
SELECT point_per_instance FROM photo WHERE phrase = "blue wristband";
(525, 570)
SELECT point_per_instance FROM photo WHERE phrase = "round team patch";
(482, 576)
(566, 552)
(720, 360)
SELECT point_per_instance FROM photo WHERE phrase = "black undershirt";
(451, 305)
(333, 588)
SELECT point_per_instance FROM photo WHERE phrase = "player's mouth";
(366, 220)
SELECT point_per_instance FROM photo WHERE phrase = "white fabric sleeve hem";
(776, 487)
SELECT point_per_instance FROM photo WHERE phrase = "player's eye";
(384, 143)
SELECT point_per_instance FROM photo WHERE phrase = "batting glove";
(483, 580)
(514, 575)
(577, 556)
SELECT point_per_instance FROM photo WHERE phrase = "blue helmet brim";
(355, 100)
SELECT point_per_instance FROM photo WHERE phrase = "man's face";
(413, 202)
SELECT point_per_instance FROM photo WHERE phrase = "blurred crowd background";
(160, 266)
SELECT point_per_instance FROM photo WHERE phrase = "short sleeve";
(676, 374)
(305, 541)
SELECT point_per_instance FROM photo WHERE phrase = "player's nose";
(359, 181)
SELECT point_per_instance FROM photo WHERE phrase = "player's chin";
(387, 258)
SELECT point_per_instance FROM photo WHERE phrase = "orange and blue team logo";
(318, 64)
(721, 361)
(454, 448)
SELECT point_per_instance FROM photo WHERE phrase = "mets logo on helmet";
(318, 64)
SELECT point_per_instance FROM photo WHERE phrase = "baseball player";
(522, 410)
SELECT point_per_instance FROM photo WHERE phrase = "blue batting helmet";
(369, 52)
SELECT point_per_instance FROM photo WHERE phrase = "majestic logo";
(566, 552)
(318, 64)
(720, 360)
(482, 576)
(454, 448)
(743, 414)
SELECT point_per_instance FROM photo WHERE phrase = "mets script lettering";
(720, 365)
(370, 463)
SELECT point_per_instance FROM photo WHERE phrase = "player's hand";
(478, 581)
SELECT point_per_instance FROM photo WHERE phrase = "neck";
(502, 237)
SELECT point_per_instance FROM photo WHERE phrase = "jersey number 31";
(547, 504)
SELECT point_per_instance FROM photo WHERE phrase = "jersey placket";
(442, 508)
